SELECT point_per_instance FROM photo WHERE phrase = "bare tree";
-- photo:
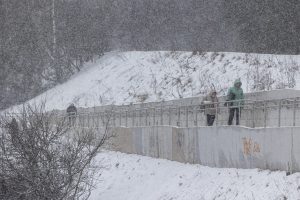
(43, 158)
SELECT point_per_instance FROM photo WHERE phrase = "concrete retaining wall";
(226, 146)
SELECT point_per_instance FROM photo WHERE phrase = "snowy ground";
(133, 177)
(124, 77)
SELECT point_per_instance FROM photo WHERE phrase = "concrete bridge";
(268, 138)
(277, 108)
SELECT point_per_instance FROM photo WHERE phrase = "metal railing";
(254, 113)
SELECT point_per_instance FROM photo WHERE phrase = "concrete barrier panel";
(244, 148)
(270, 148)
(123, 140)
(206, 142)
(164, 134)
(178, 145)
(295, 149)
(226, 146)
(138, 142)
(150, 141)
(185, 145)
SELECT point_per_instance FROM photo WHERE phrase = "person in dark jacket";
(14, 131)
(72, 112)
(209, 103)
(235, 101)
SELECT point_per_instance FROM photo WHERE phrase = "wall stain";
(250, 147)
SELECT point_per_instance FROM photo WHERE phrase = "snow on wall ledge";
(124, 77)
(225, 146)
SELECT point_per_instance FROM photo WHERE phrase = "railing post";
(146, 117)
(170, 112)
(78, 116)
(140, 117)
(97, 119)
(161, 115)
(154, 116)
(294, 112)
(240, 113)
(93, 120)
(265, 114)
(114, 117)
(103, 118)
(196, 115)
(178, 120)
(217, 114)
(90, 120)
(133, 117)
(77, 120)
(187, 116)
(81, 120)
(279, 113)
(126, 118)
(253, 116)
(108, 118)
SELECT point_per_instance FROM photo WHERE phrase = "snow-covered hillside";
(123, 77)
(132, 177)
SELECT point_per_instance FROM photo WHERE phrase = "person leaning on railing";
(235, 101)
(209, 104)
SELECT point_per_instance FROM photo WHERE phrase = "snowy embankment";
(133, 177)
(124, 77)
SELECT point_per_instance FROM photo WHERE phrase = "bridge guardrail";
(254, 113)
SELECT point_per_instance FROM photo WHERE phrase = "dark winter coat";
(14, 130)
(71, 110)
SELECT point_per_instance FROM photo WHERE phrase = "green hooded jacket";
(235, 94)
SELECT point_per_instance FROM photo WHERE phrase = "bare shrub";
(260, 74)
(288, 72)
(41, 157)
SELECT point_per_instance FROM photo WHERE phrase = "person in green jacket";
(235, 101)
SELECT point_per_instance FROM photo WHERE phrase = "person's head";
(238, 83)
(72, 104)
(213, 93)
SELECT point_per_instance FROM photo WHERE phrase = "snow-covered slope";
(123, 77)
(132, 177)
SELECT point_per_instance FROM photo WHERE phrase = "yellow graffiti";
(250, 147)
(247, 146)
(256, 148)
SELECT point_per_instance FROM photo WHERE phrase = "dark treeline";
(43, 42)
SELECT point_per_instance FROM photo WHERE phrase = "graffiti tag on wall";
(250, 147)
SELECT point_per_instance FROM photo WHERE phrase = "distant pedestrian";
(14, 131)
(72, 112)
(209, 104)
(235, 101)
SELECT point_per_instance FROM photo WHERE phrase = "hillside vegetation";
(129, 77)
